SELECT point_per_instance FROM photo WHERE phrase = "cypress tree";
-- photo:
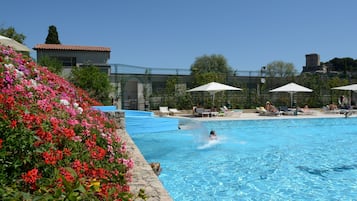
(52, 37)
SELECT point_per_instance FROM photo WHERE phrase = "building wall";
(79, 58)
(82, 57)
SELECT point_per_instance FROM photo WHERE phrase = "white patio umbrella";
(291, 88)
(214, 87)
(351, 87)
(5, 41)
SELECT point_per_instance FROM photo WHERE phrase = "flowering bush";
(53, 146)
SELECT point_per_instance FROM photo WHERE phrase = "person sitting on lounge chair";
(304, 110)
(332, 106)
(270, 107)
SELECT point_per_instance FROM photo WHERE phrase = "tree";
(280, 69)
(53, 64)
(52, 37)
(11, 33)
(210, 68)
(96, 83)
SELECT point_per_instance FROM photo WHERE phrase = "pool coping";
(143, 177)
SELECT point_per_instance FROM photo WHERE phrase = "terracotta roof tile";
(70, 47)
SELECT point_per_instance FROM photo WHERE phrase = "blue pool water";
(139, 121)
(293, 159)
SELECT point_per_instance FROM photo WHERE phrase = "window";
(68, 61)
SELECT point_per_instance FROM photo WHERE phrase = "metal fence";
(255, 92)
(132, 69)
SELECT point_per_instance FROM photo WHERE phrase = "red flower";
(52, 157)
(69, 133)
(90, 143)
(67, 152)
(1, 143)
(98, 153)
(13, 123)
(47, 136)
(28, 119)
(126, 188)
(31, 176)
(77, 166)
(10, 100)
(67, 175)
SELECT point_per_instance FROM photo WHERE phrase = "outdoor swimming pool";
(292, 159)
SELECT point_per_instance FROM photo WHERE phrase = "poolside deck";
(250, 114)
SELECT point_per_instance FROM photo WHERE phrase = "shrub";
(53, 145)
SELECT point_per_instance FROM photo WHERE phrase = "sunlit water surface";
(295, 159)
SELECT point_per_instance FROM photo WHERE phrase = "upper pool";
(137, 121)
(292, 159)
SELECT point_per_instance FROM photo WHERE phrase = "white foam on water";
(209, 143)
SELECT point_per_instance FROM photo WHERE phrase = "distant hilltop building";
(313, 64)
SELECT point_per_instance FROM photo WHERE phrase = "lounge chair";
(201, 112)
(197, 111)
(268, 113)
(263, 112)
(164, 111)
(331, 110)
(284, 110)
(260, 109)
(305, 111)
(235, 113)
(173, 111)
(225, 112)
(206, 113)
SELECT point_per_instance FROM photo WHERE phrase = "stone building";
(313, 64)
(75, 55)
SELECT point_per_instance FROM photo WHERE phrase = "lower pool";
(285, 159)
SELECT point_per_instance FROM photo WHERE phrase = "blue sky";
(172, 34)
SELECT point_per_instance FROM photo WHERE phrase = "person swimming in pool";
(212, 135)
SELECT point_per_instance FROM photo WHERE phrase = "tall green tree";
(10, 32)
(95, 82)
(52, 37)
(210, 68)
(280, 69)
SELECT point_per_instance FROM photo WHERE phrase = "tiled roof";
(70, 47)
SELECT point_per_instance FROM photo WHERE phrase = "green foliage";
(171, 85)
(53, 64)
(96, 83)
(210, 68)
(10, 32)
(52, 37)
(280, 69)
(343, 64)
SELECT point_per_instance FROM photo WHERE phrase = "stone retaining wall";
(143, 175)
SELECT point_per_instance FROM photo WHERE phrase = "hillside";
(53, 145)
